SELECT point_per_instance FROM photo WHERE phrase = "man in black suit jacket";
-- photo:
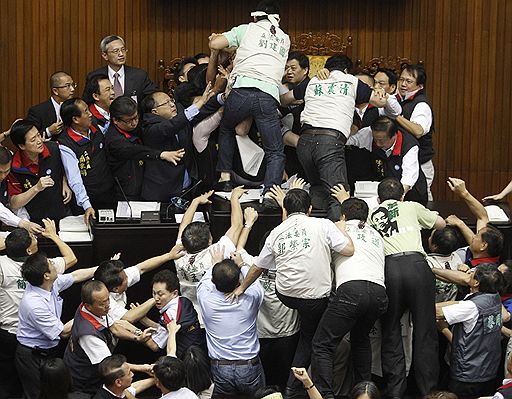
(127, 81)
(46, 116)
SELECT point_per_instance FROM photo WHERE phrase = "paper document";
(198, 217)
(496, 214)
(251, 154)
(123, 210)
(364, 189)
(252, 194)
(74, 229)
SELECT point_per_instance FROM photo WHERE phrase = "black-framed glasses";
(131, 120)
(67, 86)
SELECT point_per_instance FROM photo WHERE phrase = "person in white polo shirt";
(360, 298)
(300, 248)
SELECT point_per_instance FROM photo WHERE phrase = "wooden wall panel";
(465, 46)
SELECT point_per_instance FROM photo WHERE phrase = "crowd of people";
(327, 304)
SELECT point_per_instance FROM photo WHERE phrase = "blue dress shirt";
(230, 326)
(39, 314)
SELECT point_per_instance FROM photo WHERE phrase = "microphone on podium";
(124, 196)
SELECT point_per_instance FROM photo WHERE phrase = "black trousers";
(470, 390)
(354, 308)
(322, 157)
(410, 284)
(310, 312)
(29, 363)
(276, 356)
(10, 386)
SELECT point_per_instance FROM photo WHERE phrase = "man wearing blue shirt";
(231, 336)
(40, 327)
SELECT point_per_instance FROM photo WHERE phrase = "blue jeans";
(237, 379)
(323, 159)
(244, 102)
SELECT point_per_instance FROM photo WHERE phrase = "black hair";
(446, 240)
(385, 124)
(88, 288)
(354, 209)
(339, 63)
(198, 56)
(367, 75)
(123, 106)
(181, 66)
(34, 268)
(390, 188)
(365, 387)
(196, 237)
(109, 273)
(265, 391)
(55, 379)
(441, 395)
(170, 371)
(507, 278)
(301, 58)
(197, 369)
(418, 71)
(69, 109)
(93, 87)
(297, 200)
(5, 155)
(392, 76)
(490, 278)
(110, 368)
(19, 130)
(169, 278)
(494, 240)
(268, 6)
(17, 243)
(226, 275)
(148, 103)
(197, 76)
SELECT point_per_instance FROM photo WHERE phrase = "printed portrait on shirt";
(383, 222)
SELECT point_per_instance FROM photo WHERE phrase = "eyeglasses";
(130, 121)
(408, 81)
(67, 86)
(168, 102)
(118, 50)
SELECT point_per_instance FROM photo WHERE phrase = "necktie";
(118, 90)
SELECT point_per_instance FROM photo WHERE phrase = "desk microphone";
(177, 200)
(124, 196)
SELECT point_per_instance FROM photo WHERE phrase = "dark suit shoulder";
(42, 115)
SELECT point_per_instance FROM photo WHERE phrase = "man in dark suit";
(46, 116)
(127, 81)
(167, 126)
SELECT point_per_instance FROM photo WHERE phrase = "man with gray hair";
(128, 81)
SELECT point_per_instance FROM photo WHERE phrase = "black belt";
(323, 132)
(42, 352)
(253, 361)
(406, 253)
